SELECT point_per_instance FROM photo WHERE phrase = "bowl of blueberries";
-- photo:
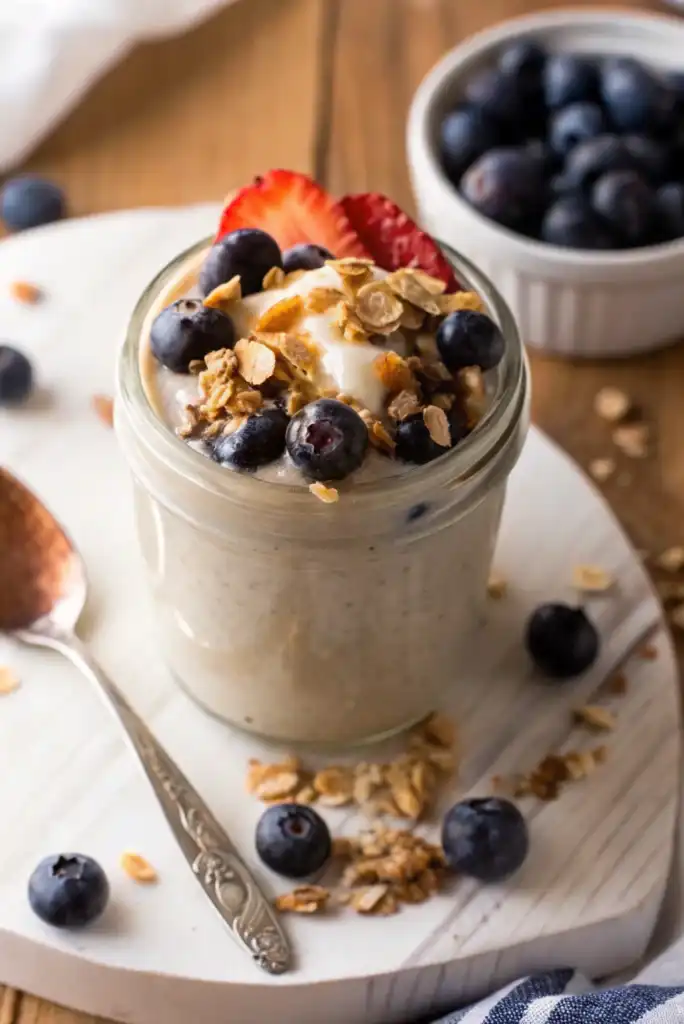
(550, 151)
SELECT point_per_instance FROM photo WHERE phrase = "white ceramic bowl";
(569, 302)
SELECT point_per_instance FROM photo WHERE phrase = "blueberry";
(571, 222)
(327, 440)
(259, 440)
(628, 204)
(507, 185)
(592, 158)
(29, 201)
(248, 252)
(485, 838)
(561, 640)
(636, 99)
(648, 157)
(465, 134)
(187, 330)
(575, 123)
(414, 443)
(495, 95)
(541, 152)
(293, 840)
(417, 511)
(68, 890)
(523, 63)
(467, 338)
(670, 206)
(569, 79)
(305, 257)
(16, 376)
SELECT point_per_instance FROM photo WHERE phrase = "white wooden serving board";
(588, 895)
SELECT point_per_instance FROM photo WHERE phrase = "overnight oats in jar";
(319, 436)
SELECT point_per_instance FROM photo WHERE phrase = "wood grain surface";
(323, 86)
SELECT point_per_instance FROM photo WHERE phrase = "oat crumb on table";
(595, 717)
(602, 469)
(9, 681)
(137, 868)
(592, 579)
(328, 495)
(648, 652)
(104, 409)
(497, 586)
(612, 404)
(25, 292)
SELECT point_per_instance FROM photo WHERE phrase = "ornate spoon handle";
(215, 862)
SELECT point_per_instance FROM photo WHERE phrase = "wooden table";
(323, 86)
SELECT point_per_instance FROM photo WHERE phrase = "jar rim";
(459, 464)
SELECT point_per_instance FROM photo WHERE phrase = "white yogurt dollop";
(345, 366)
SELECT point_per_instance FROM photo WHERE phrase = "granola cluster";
(279, 361)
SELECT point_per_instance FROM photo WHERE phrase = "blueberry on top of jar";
(247, 252)
(327, 440)
(256, 442)
(187, 331)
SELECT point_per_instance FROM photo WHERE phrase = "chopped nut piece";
(595, 717)
(319, 300)
(328, 495)
(632, 440)
(602, 469)
(677, 616)
(612, 404)
(274, 278)
(335, 786)
(276, 785)
(256, 362)
(137, 868)
(378, 308)
(104, 409)
(224, 294)
(394, 372)
(305, 899)
(282, 316)
(376, 899)
(618, 684)
(25, 292)
(672, 559)
(591, 579)
(438, 425)
(349, 325)
(497, 586)
(9, 681)
(460, 300)
(305, 795)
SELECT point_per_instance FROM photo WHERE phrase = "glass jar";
(306, 622)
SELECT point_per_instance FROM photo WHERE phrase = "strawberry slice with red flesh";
(392, 238)
(293, 209)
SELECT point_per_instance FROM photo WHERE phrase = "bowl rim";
(432, 87)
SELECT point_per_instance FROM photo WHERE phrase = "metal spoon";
(42, 595)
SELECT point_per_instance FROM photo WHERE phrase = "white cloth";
(51, 51)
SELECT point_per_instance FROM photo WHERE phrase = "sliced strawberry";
(292, 209)
(392, 238)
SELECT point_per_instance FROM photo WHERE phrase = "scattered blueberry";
(569, 79)
(414, 443)
(523, 63)
(635, 98)
(507, 185)
(68, 890)
(561, 640)
(485, 838)
(575, 123)
(465, 135)
(628, 204)
(28, 202)
(260, 440)
(468, 338)
(327, 440)
(249, 252)
(188, 330)
(494, 94)
(670, 206)
(293, 840)
(572, 222)
(16, 376)
(305, 257)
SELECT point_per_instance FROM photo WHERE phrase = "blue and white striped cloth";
(565, 997)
